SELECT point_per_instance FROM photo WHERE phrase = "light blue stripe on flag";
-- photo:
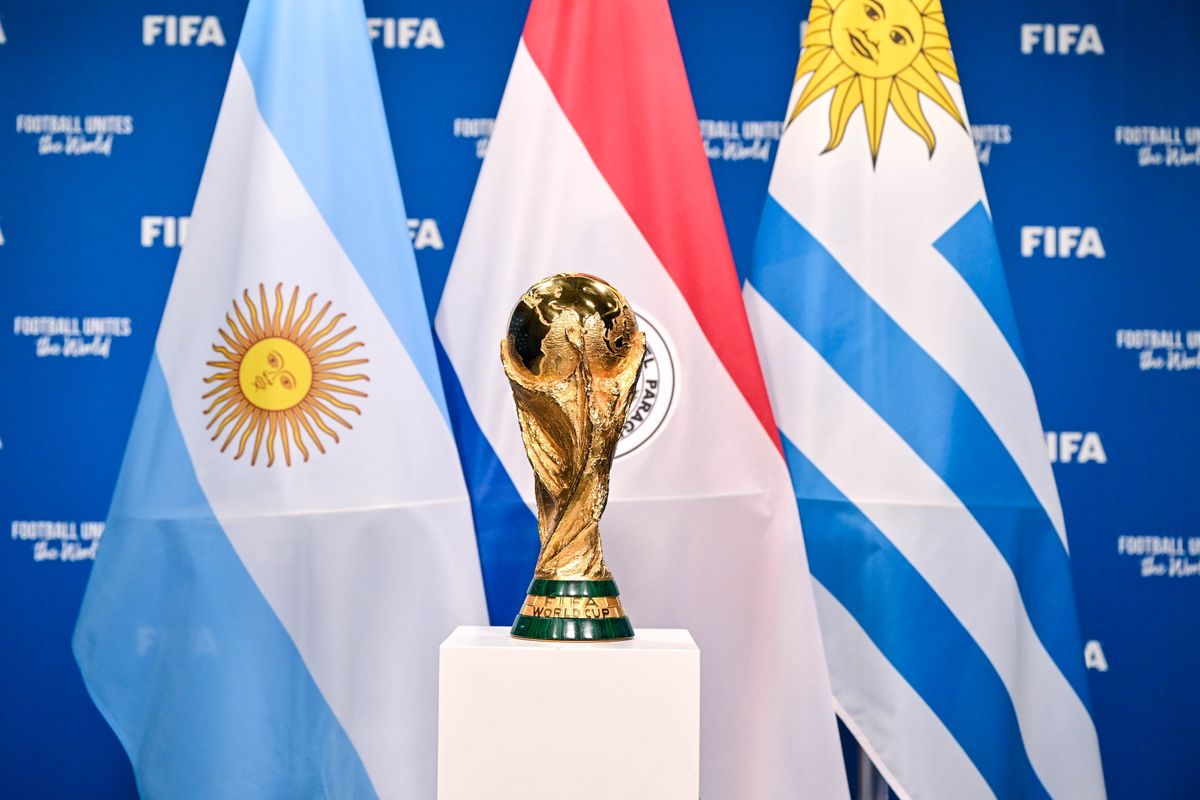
(914, 395)
(970, 247)
(907, 621)
(307, 62)
(183, 654)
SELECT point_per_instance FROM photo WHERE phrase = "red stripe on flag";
(616, 70)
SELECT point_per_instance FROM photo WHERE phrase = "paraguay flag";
(291, 536)
(932, 521)
(597, 166)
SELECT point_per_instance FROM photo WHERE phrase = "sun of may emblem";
(281, 376)
(876, 53)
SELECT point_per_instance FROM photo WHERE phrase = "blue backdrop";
(1087, 120)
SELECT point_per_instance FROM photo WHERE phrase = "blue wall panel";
(90, 225)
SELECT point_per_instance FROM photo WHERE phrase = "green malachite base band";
(541, 587)
(572, 630)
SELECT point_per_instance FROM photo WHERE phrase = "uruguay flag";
(932, 521)
(291, 536)
(596, 166)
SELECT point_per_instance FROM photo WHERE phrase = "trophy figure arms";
(573, 384)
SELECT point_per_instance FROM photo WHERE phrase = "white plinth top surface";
(520, 719)
(645, 639)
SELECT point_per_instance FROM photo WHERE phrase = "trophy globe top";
(552, 300)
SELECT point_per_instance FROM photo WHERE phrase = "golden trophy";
(572, 356)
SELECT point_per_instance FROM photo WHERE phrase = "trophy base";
(572, 611)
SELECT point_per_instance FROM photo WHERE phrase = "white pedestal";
(522, 720)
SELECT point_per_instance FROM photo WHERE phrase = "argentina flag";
(290, 537)
(931, 517)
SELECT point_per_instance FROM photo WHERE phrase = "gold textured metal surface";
(572, 356)
(573, 607)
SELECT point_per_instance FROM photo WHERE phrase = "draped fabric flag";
(930, 513)
(291, 536)
(596, 166)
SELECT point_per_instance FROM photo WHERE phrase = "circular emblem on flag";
(653, 394)
(282, 377)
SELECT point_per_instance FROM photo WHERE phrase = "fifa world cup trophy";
(572, 356)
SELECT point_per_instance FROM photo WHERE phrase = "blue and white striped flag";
(931, 517)
(290, 537)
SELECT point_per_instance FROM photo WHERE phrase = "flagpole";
(871, 785)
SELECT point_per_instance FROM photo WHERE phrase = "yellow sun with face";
(876, 53)
(281, 376)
